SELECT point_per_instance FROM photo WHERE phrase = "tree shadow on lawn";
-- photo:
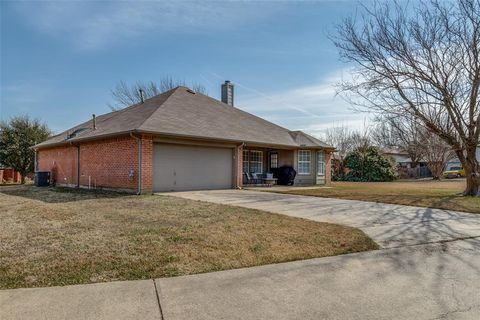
(58, 194)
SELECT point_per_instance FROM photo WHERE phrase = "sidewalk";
(417, 282)
(112, 300)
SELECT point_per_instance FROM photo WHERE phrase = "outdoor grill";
(285, 175)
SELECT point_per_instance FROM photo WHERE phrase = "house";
(456, 162)
(179, 140)
(402, 158)
(406, 168)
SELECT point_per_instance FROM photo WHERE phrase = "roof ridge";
(137, 104)
(250, 114)
(309, 137)
(109, 115)
(168, 93)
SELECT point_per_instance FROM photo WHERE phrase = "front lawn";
(63, 236)
(445, 194)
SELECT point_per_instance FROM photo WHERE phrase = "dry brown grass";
(60, 236)
(445, 194)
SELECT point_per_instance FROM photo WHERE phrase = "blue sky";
(59, 60)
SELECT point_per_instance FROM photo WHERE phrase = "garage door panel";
(180, 167)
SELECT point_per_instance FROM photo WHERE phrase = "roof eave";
(80, 139)
(239, 141)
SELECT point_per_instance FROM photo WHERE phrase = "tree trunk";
(472, 171)
(23, 176)
(436, 168)
(473, 186)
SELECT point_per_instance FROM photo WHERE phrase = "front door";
(273, 160)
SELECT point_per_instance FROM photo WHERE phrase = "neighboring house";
(401, 158)
(405, 166)
(456, 162)
(179, 140)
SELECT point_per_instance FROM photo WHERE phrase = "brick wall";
(109, 163)
(147, 164)
(61, 162)
(238, 167)
(328, 167)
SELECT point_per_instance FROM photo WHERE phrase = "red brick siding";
(108, 163)
(61, 162)
(238, 167)
(147, 164)
(328, 167)
(103, 163)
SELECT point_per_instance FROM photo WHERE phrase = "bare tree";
(340, 138)
(436, 153)
(426, 65)
(401, 132)
(345, 141)
(125, 95)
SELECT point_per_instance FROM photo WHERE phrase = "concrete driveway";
(388, 224)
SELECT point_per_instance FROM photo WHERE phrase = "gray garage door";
(179, 167)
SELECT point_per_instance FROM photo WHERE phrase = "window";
(256, 161)
(245, 161)
(304, 157)
(320, 163)
(273, 160)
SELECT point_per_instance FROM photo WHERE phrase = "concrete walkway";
(389, 225)
(408, 280)
(437, 281)
(113, 300)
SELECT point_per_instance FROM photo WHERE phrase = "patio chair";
(250, 178)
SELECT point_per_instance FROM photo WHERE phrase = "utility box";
(42, 178)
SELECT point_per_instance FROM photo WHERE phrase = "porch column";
(237, 167)
(328, 167)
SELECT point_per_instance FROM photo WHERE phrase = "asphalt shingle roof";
(183, 113)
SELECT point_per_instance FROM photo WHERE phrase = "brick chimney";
(227, 93)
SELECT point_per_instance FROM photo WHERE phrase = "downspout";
(139, 143)
(35, 166)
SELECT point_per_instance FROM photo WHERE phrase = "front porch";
(258, 164)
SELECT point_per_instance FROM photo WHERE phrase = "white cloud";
(93, 25)
(311, 108)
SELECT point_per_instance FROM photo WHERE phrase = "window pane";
(274, 160)
(320, 163)
(304, 161)
(256, 161)
(245, 161)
